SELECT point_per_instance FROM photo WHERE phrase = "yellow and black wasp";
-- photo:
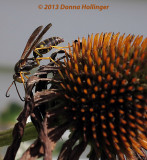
(25, 64)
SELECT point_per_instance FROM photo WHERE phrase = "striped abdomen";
(53, 41)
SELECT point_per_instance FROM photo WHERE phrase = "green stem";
(29, 133)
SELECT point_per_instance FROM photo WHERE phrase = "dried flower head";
(102, 97)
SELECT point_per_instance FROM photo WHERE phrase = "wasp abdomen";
(47, 43)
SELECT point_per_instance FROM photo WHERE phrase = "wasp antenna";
(18, 91)
(9, 89)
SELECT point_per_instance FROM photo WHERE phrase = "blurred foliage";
(10, 113)
(6, 69)
(58, 147)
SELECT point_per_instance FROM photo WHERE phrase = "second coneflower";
(102, 98)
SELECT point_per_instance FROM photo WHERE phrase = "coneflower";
(98, 93)
(102, 97)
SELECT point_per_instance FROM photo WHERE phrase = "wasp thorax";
(17, 67)
(103, 81)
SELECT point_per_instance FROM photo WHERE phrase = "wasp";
(25, 64)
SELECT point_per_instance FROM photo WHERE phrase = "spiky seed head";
(103, 83)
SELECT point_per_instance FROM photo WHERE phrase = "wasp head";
(17, 78)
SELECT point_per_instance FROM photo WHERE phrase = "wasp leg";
(50, 47)
(54, 62)
(25, 74)
(36, 51)
(23, 81)
(40, 58)
(62, 48)
(57, 47)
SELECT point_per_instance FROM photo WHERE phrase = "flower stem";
(29, 134)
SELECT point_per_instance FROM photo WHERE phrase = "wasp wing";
(30, 41)
(38, 40)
